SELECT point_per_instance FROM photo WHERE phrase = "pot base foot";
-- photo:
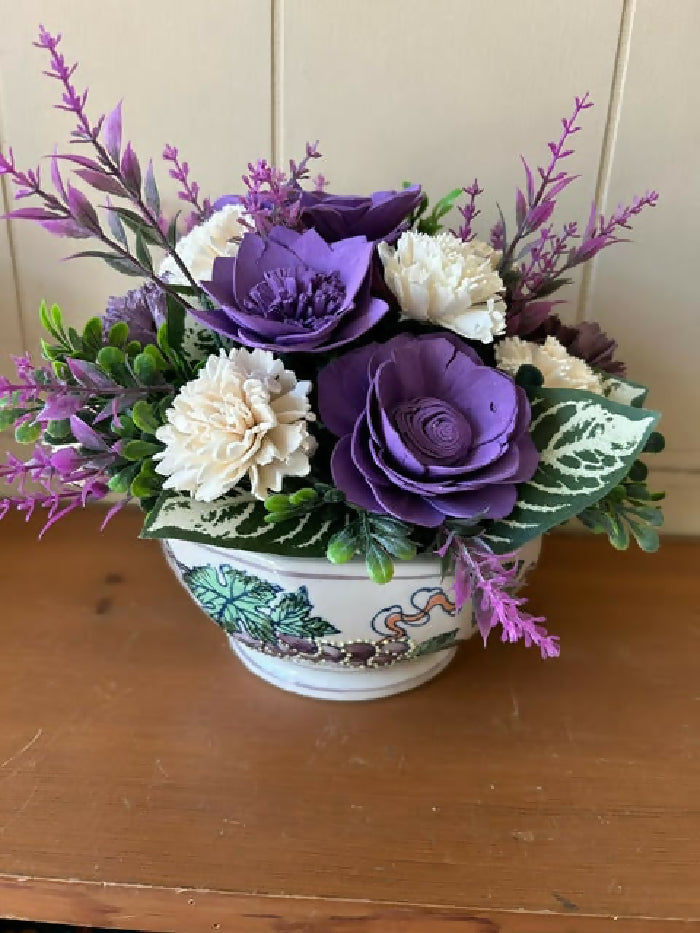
(342, 683)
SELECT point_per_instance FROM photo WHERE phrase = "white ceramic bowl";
(327, 631)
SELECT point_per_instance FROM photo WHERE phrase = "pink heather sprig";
(488, 580)
(62, 480)
(274, 198)
(189, 189)
(469, 212)
(72, 100)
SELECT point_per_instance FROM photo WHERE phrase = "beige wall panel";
(646, 292)
(196, 77)
(10, 331)
(444, 91)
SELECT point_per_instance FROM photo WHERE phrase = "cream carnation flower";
(442, 280)
(243, 415)
(203, 244)
(559, 369)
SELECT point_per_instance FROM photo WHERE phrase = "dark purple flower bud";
(294, 292)
(426, 430)
(378, 217)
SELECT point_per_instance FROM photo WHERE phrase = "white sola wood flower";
(243, 415)
(443, 280)
(218, 236)
(559, 369)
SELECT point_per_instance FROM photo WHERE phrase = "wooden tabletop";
(148, 782)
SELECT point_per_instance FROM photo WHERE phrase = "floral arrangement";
(309, 373)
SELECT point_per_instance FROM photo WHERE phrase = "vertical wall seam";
(607, 149)
(276, 66)
(5, 201)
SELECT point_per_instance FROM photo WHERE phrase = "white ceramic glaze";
(327, 631)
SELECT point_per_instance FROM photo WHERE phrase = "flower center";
(299, 296)
(433, 430)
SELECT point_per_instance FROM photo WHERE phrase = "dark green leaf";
(655, 443)
(137, 224)
(92, 335)
(647, 538)
(118, 334)
(142, 254)
(342, 547)
(28, 433)
(380, 567)
(146, 485)
(121, 481)
(140, 450)
(116, 227)
(176, 323)
(145, 368)
(122, 264)
(638, 472)
(144, 417)
(436, 643)
(8, 416)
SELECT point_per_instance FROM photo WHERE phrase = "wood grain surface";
(147, 781)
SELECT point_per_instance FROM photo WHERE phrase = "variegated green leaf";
(624, 392)
(587, 444)
(238, 521)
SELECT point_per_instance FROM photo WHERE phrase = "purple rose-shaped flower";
(426, 430)
(293, 292)
(380, 216)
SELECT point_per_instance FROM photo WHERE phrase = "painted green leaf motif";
(238, 521)
(436, 643)
(587, 444)
(236, 600)
(245, 604)
(291, 615)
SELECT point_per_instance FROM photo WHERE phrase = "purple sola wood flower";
(426, 430)
(381, 216)
(292, 292)
(489, 580)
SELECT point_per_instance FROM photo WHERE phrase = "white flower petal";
(198, 249)
(445, 281)
(559, 369)
(227, 423)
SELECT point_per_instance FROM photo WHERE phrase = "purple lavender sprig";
(274, 197)
(116, 173)
(189, 189)
(554, 254)
(488, 579)
(534, 207)
(469, 212)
